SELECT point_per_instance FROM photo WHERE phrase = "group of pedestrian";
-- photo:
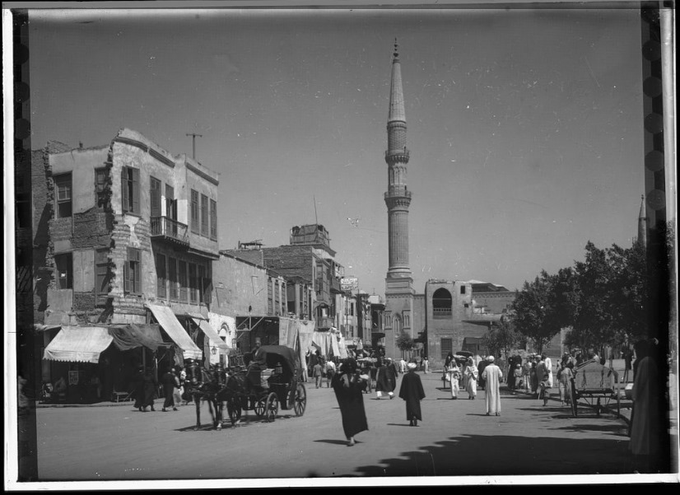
(146, 388)
(465, 376)
(346, 383)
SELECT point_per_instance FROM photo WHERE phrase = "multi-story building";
(125, 239)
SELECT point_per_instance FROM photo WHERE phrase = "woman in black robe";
(412, 392)
(347, 388)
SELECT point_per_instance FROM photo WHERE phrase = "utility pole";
(193, 141)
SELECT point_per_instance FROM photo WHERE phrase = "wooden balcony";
(167, 229)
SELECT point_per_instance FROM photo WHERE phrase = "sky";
(524, 125)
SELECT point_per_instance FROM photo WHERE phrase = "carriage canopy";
(289, 359)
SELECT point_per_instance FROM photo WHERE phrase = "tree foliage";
(501, 338)
(405, 341)
(602, 298)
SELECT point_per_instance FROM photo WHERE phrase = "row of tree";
(603, 300)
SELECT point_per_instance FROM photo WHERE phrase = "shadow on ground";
(509, 456)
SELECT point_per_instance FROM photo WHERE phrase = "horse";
(204, 385)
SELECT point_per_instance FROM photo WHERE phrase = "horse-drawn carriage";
(280, 387)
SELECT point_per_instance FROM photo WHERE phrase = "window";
(102, 276)
(130, 190)
(462, 289)
(100, 179)
(441, 303)
(447, 346)
(193, 284)
(170, 202)
(161, 275)
(204, 215)
(133, 272)
(64, 265)
(183, 285)
(172, 277)
(195, 214)
(205, 284)
(213, 219)
(62, 184)
(155, 197)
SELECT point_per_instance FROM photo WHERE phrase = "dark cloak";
(412, 392)
(351, 401)
(386, 380)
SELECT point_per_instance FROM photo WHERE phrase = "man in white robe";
(492, 375)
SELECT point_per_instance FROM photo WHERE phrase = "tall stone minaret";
(399, 282)
(642, 224)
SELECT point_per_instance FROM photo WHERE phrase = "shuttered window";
(183, 284)
(205, 221)
(102, 276)
(64, 265)
(63, 185)
(130, 190)
(155, 197)
(161, 276)
(195, 213)
(213, 219)
(172, 277)
(193, 284)
(133, 272)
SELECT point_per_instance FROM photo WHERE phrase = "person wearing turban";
(412, 392)
(492, 375)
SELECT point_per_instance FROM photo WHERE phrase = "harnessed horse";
(204, 385)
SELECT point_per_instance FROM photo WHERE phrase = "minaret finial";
(396, 49)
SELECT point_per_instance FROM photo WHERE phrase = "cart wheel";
(234, 410)
(272, 407)
(300, 400)
(260, 407)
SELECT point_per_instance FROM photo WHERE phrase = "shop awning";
(210, 332)
(128, 337)
(78, 344)
(169, 322)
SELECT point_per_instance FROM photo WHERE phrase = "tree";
(405, 342)
(530, 308)
(501, 338)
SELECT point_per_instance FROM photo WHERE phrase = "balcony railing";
(170, 229)
(441, 313)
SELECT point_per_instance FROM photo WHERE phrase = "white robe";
(548, 367)
(493, 375)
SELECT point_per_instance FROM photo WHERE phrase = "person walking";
(526, 375)
(564, 376)
(330, 371)
(480, 367)
(317, 373)
(169, 382)
(426, 365)
(628, 362)
(386, 379)
(549, 369)
(492, 375)
(350, 399)
(412, 392)
(645, 425)
(471, 375)
(543, 381)
(138, 391)
(454, 375)
(177, 391)
(149, 389)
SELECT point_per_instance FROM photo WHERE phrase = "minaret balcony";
(398, 193)
(397, 155)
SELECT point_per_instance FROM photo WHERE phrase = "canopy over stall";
(169, 322)
(78, 344)
(209, 331)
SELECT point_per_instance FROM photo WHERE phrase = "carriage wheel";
(234, 410)
(272, 407)
(300, 400)
(260, 406)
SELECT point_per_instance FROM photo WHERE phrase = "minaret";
(399, 293)
(642, 224)
(398, 197)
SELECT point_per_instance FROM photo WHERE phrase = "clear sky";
(524, 126)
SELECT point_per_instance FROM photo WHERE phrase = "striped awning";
(169, 322)
(78, 344)
(209, 331)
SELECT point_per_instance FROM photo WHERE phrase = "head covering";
(490, 359)
(411, 366)
(389, 359)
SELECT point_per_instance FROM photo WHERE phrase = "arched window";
(442, 303)
(396, 324)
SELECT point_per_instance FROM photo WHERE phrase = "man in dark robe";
(412, 392)
(257, 364)
(169, 381)
(347, 390)
(480, 368)
(386, 379)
